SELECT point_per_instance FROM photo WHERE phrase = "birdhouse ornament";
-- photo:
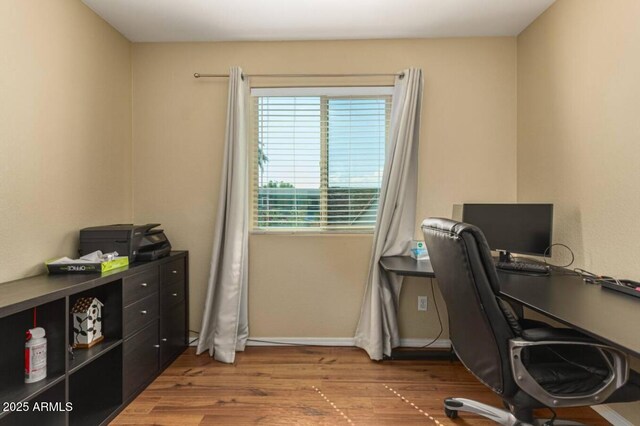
(87, 322)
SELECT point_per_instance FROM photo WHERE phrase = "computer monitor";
(517, 228)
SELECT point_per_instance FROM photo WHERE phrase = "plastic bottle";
(35, 355)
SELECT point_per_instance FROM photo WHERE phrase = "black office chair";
(527, 363)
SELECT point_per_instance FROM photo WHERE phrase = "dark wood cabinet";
(140, 359)
(145, 325)
(172, 332)
(173, 327)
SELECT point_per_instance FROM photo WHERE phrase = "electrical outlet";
(422, 303)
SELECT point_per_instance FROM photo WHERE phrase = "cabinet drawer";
(171, 295)
(141, 359)
(173, 271)
(139, 314)
(139, 286)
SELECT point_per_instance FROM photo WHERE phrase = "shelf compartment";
(28, 391)
(110, 295)
(51, 408)
(95, 390)
(82, 357)
(50, 316)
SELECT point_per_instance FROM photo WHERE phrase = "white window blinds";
(318, 157)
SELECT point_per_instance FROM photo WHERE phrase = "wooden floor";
(311, 385)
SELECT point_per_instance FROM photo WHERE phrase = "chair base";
(502, 417)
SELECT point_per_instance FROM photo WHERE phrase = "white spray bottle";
(35, 355)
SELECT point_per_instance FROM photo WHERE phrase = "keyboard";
(523, 267)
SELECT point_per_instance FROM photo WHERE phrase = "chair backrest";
(467, 278)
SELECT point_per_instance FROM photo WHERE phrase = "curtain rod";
(400, 74)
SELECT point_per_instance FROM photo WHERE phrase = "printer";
(138, 242)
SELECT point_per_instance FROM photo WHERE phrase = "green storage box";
(85, 267)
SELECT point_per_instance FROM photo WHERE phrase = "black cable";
(552, 419)
(591, 278)
(435, 303)
(544, 257)
(193, 341)
(573, 257)
(584, 273)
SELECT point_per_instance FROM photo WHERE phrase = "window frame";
(325, 93)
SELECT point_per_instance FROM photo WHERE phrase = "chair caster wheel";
(452, 414)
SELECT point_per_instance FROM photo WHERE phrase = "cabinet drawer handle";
(156, 346)
(174, 294)
(144, 285)
(174, 272)
(164, 340)
(143, 312)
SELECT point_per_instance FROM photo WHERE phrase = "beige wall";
(311, 286)
(579, 132)
(65, 130)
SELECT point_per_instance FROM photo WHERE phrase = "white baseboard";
(418, 343)
(336, 341)
(295, 341)
(611, 415)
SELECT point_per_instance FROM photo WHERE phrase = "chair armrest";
(556, 334)
(617, 362)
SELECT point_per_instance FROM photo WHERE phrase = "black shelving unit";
(76, 390)
(96, 395)
(46, 408)
(21, 394)
(13, 330)
(82, 357)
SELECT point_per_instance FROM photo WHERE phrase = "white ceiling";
(215, 20)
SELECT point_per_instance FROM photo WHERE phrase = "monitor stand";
(504, 256)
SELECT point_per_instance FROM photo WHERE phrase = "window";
(318, 157)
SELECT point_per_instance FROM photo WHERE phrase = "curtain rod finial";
(196, 75)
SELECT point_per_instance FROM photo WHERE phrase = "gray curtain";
(225, 325)
(377, 331)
